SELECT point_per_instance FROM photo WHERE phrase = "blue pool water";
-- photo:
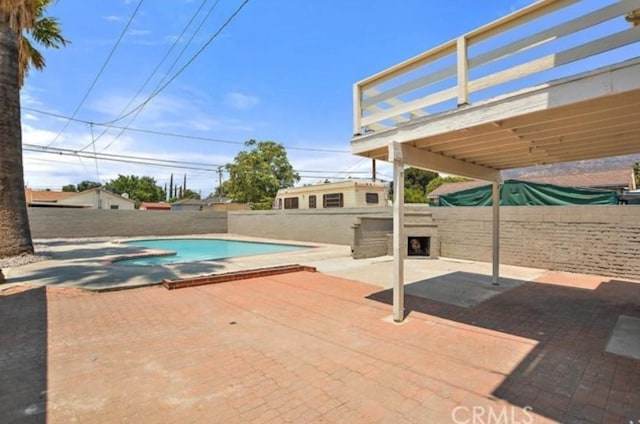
(193, 250)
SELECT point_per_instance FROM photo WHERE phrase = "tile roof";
(157, 206)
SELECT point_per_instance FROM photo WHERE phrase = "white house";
(98, 198)
(344, 194)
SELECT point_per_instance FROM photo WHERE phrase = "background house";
(95, 198)
(98, 198)
(189, 205)
(44, 198)
(150, 206)
(210, 203)
(344, 194)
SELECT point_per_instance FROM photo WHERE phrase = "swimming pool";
(193, 250)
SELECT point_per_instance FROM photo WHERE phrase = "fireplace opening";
(418, 246)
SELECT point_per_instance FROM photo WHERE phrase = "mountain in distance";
(573, 168)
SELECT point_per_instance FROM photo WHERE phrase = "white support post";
(496, 233)
(398, 232)
(463, 71)
(357, 109)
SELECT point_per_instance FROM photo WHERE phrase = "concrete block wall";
(370, 234)
(315, 225)
(78, 223)
(602, 240)
(373, 235)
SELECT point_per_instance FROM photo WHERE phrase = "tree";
(69, 188)
(21, 22)
(88, 185)
(255, 176)
(190, 194)
(415, 185)
(636, 173)
(418, 178)
(414, 195)
(139, 189)
(437, 182)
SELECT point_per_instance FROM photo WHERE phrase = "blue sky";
(281, 70)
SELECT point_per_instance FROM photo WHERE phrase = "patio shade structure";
(496, 114)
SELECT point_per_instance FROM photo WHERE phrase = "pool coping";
(234, 276)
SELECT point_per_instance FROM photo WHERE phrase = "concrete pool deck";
(85, 263)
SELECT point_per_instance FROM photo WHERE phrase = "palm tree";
(20, 22)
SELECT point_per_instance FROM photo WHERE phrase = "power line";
(185, 66)
(177, 135)
(133, 118)
(335, 172)
(140, 159)
(104, 65)
(39, 148)
(114, 159)
(155, 70)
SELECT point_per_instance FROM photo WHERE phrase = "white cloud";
(113, 18)
(27, 99)
(158, 109)
(186, 113)
(30, 117)
(241, 101)
(139, 32)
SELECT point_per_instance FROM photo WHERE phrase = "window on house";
(312, 202)
(279, 203)
(291, 203)
(333, 200)
(115, 206)
(372, 198)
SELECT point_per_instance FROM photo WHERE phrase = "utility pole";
(373, 170)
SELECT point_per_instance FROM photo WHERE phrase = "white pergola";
(587, 115)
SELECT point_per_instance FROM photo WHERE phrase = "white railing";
(499, 58)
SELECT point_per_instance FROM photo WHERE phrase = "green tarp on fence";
(520, 193)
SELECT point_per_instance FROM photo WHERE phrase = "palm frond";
(20, 14)
(47, 32)
(28, 57)
(27, 19)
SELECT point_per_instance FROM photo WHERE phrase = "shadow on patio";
(23, 356)
(568, 377)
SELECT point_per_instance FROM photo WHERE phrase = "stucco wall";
(70, 223)
(601, 240)
(315, 225)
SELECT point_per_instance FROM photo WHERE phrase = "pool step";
(234, 275)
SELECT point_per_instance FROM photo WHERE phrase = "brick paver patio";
(306, 347)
